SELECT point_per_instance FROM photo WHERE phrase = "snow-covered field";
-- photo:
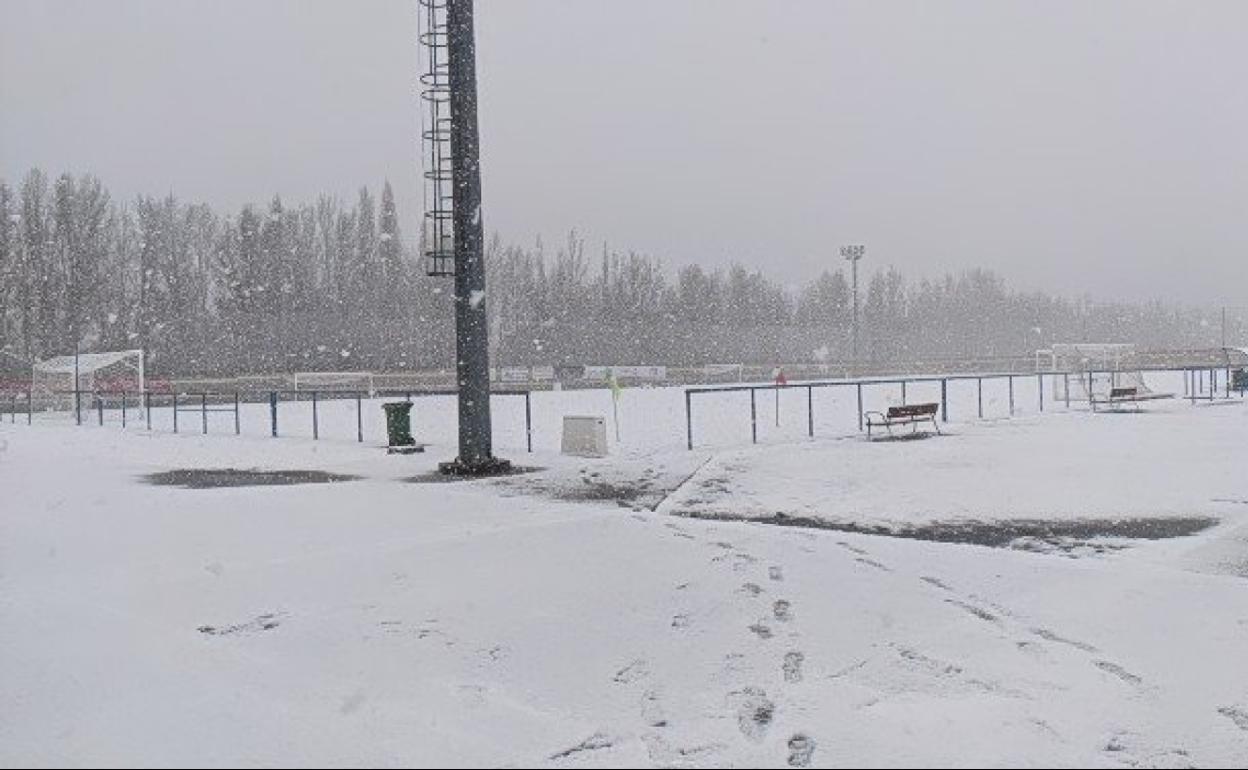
(601, 612)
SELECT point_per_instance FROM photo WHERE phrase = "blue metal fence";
(204, 403)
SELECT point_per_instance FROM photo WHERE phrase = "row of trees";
(266, 288)
(332, 286)
(627, 308)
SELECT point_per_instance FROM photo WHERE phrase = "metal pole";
(472, 362)
(30, 409)
(99, 407)
(1066, 383)
(77, 392)
(855, 271)
(1040, 389)
(273, 411)
(944, 400)
(753, 419)
(689, 419)
(203, 410)
(123, 409)
(979, 388)
(175, 411)
(1010, 379)
(860, 407)
(147, 408)
(359, 418)
(237, 427)
(903, 392)
(853, 254)
(316, 433)
(528, 421)
(810, 411)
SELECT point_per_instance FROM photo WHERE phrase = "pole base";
(489, 466)
(405, 449)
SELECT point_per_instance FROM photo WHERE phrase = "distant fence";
(191, 411)
(201, 404)
(1194, 388)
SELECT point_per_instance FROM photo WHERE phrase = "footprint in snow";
(754, 712)
(793, 666)
(782, 609)
(801, 749)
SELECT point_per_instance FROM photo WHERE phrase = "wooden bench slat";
(912, 410)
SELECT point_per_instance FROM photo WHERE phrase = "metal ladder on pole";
(438, 240)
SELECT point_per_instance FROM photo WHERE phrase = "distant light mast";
(853, 254)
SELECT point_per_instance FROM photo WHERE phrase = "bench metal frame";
(887, 421)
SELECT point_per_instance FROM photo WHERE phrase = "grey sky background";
(1072, 146)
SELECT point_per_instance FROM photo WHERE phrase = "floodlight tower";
(853, 254)
(453, 200)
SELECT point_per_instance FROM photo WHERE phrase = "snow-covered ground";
(580, 614)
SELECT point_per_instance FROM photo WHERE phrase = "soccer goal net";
(350, 382)
(58, 383)
(1084, 371)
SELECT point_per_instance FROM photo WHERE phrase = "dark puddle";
(603, 491)
(997, 534)
(214, 478)
(437, 477)
(637, 496)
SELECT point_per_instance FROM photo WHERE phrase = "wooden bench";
(909, 414)
(1121, 396)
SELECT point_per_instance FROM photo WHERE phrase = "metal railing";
(1194, 389)
(204, 403)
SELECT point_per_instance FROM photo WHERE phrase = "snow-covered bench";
(909, 414)
(1121, 396)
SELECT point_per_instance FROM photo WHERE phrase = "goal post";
(107, 375)
(1087, 370)
(352, 382)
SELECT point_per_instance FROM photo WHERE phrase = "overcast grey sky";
(1073, 146)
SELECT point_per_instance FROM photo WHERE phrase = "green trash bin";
(399, 428)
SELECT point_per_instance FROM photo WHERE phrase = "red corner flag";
(780, 378)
